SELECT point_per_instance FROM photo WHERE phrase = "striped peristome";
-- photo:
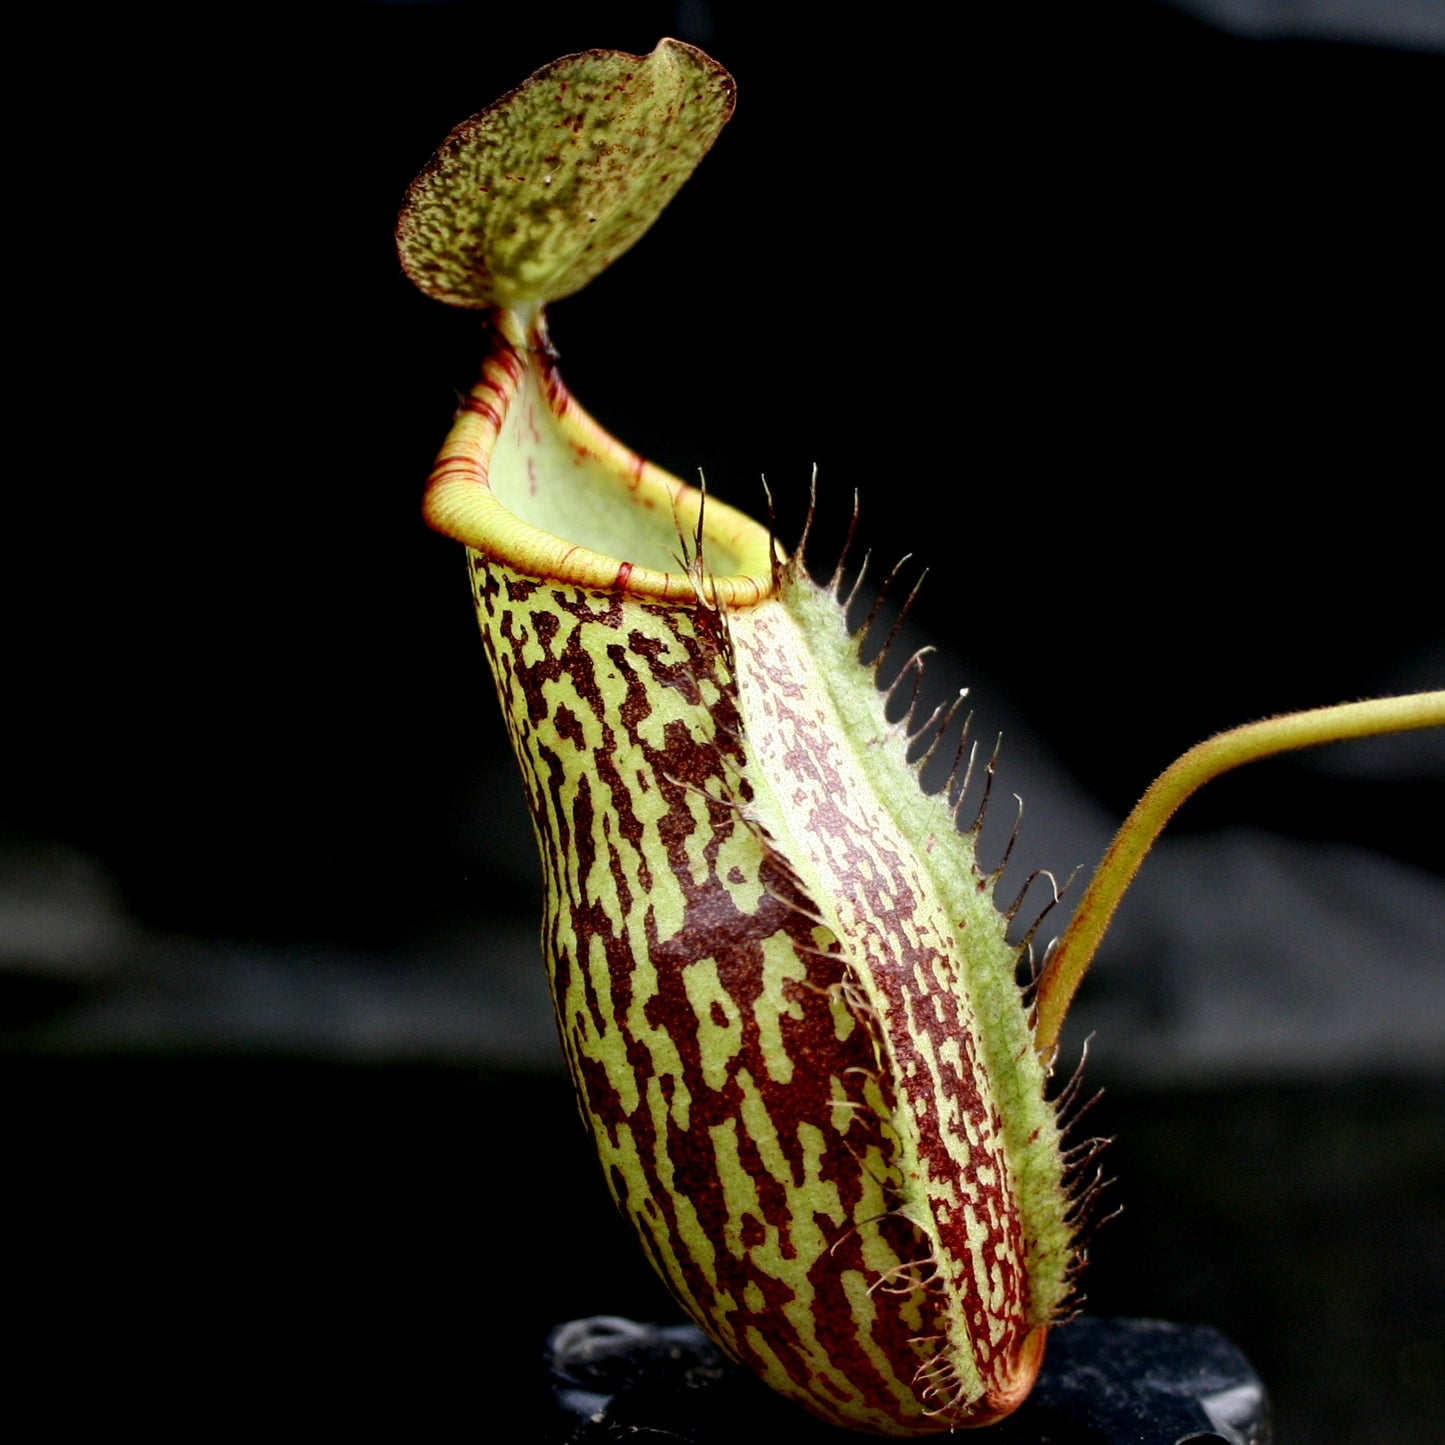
(782, 985)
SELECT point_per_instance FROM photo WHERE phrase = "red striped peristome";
(782, 984)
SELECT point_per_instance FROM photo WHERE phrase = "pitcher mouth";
(528, 479)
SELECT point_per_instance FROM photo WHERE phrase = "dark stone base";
(1104, 1382)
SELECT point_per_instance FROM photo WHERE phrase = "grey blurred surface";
(1239, 954)
(1374, 22)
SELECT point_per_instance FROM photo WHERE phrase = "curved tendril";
(1070, 960)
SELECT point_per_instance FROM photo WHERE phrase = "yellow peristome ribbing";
(621, 515)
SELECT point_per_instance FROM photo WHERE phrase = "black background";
(1125, 328)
